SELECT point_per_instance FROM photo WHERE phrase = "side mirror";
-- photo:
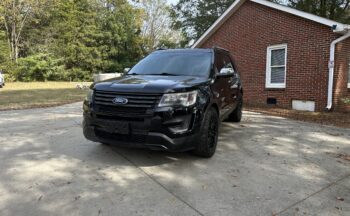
(126, 70)
(225, 72)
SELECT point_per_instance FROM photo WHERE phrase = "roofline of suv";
(220, 49)
(215, 48)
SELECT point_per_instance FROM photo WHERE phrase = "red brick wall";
(341, 90)
(253, 28)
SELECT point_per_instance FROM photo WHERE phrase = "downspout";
(331, 70)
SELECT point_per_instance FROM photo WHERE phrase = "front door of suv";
(223, 81)
(233, 81)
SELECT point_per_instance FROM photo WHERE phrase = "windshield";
(174, 64)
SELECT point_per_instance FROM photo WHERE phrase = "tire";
(208, 135)
(236, 115)
(105, 144)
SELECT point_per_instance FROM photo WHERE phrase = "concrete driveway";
(264, 166)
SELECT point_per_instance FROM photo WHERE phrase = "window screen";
(349, 76)
(276, 66)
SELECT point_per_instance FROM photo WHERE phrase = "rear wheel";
(236, 115)
(207, 142)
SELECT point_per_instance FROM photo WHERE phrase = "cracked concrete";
(264, 166)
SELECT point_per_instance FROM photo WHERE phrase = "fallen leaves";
(342, 156)
(340, 199)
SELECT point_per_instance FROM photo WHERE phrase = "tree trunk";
(14, 46)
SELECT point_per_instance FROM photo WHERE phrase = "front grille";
(138, 103)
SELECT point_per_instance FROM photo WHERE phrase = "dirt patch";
(325, 118)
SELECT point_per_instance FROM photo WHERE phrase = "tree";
(157, 30)
(194, 17)
(92, 36)
(121, 42)
(3, 47)
(15, 15)
(69, 39)
(338, 10)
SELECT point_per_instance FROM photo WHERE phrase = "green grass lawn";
(19, 95)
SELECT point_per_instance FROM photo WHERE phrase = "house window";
(276, 67)
(349, 76)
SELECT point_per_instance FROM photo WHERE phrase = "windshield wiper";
(133, 74)
(164, 74)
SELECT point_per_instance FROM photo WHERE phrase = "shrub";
(40, 67)
(78, 74)
(346, 100)
(8, 67)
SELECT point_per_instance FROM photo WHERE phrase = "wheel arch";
(216, 107)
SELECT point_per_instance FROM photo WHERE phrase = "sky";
(172, 1)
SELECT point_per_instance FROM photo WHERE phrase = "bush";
(39, 67)
(78, 74)
(8, 67)
(346, 100)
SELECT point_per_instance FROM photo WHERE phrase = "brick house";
(285, 56)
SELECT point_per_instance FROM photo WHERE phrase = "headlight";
(89, 95)
(179, 99)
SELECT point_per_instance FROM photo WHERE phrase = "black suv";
(171, 100)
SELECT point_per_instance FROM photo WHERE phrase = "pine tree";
(194, 17)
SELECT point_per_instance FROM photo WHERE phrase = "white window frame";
(268, 66)
(348, 76)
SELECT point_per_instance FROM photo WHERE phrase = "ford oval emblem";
(120, 101)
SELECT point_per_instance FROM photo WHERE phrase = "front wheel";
(207, 142)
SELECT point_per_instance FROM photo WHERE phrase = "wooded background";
(66, 40)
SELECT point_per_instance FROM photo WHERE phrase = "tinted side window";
(228, 65)
(219, 61)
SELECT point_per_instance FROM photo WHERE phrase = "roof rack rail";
(220, 48)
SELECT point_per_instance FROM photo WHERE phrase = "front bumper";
(165, 129)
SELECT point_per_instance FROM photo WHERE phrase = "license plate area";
(115, 127)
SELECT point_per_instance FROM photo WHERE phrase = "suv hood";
(150, 83)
